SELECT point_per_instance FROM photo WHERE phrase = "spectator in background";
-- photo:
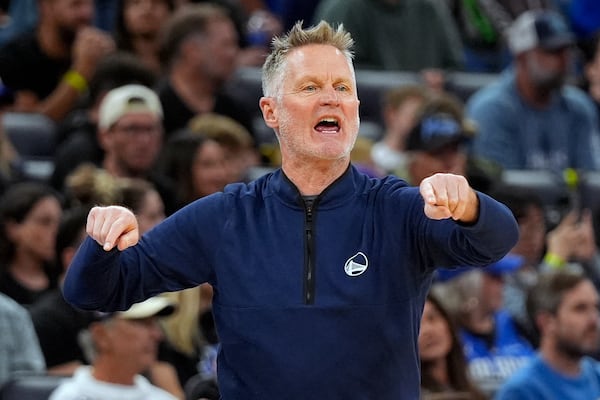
(19, 347)
(183, 338)
(57, 323)
(438, 143)
(254, 34)
(124, 345)
(443, 363)
(196, 164)
(564, 307)
(138, 25)
(140, 196)
(78, 134)
(404, 35)
(569, 245)
(236, 141)
(131, 134)
(400, 110)
(493, 347)
(199, 47)
(529, 119)
(49, 69)
(30, 214)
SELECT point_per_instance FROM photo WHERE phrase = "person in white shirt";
(125, 345)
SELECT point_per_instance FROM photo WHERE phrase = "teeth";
(329, 120)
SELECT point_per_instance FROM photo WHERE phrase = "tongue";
(327, 128)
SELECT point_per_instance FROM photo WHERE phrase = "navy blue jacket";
(309, 304)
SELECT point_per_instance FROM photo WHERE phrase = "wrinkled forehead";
(322, 59)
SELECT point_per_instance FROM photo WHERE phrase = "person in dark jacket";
(319, 272)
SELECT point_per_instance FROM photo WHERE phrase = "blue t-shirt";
(538, 380)
(490, 365)
(518, 136)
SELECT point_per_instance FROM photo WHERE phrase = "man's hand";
(449, 196)
(113, 226)
(573, 239)
(90, 47)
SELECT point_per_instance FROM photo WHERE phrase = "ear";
(99, 335)
(544, 322)
(105, 138)
(268, 106)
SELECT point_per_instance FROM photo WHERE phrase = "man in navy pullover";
(319, 272)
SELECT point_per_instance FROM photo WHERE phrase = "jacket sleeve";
(176, 254)
(493, 235)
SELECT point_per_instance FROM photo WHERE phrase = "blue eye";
(310, 88)
(342, 88)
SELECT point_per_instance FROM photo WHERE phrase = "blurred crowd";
(141, 102)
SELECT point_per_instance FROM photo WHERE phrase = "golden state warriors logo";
(356, 265)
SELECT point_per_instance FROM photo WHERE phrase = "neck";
(146, 48)
(113, 371)
(438, 369)
(558, 360)
(198, 93)
(481, 321)
(29, 271)
(311, 178)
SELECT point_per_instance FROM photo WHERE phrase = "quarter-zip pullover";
(309, 304)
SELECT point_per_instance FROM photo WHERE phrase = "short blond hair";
(322, 33)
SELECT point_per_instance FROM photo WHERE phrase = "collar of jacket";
(342, 190)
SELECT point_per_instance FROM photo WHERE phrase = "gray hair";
(461, 294)
(323, 33)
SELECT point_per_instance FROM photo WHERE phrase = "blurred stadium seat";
(34, 138)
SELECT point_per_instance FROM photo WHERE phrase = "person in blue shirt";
(564, 306)
(319, 272)
(529, 118)
(492, 345)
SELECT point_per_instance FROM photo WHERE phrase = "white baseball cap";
(127, 99)
(539, 28)
(158, 306)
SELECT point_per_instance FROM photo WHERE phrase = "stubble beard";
(545, 81)
(573, 349)
(289, 133)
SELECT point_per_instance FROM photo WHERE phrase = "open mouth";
(328, 125)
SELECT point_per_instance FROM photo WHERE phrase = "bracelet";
(75, 80)
(554, 260)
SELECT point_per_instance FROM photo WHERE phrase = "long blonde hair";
(181, 328)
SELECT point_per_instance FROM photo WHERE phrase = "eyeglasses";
(137, 129)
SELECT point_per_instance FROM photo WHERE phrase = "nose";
(330, 96)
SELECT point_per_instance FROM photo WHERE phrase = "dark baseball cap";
(435, 131)
(543, 29)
